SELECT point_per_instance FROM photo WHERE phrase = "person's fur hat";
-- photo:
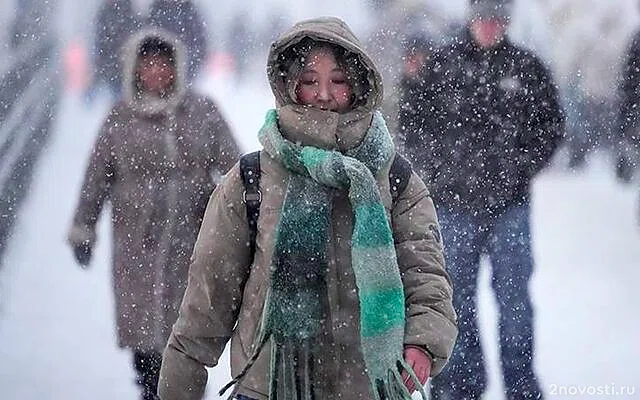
(490, 9)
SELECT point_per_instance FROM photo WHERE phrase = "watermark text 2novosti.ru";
(593, 390)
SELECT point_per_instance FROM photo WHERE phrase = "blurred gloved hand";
(82, 252)
(417, 359)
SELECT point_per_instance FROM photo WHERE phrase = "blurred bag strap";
(399, 175)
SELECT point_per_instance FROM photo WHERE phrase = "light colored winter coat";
(154, 161)
(225, 295)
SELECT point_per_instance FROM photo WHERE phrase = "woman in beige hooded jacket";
(346, 295)
(155, 161)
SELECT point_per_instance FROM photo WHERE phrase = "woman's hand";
(417, 359)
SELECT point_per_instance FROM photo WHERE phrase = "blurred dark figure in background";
(155, 160)
(115, 22)
(379, 5)
(19, 32)
(31, 22)
(277, 22)
(487, 122)
(595, 70)
(629, 116)
(395, 23)
(240, 41)
(417, 58)
(182, 18)
(628, 155)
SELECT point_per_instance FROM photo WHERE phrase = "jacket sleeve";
(543, 120)
(218, 271)
(431, 319)
(98, 180)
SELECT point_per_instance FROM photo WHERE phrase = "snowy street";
(57, 322)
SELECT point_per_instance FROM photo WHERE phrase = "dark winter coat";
(629, 92)
(481, 124)
(181, 17)
(155, 162)
(115, 22)
(226, 293)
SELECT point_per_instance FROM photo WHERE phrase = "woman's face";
(323, 83)
(156, 74)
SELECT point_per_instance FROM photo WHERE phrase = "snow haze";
(57, 324)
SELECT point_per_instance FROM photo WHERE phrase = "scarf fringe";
(392, 386)
(291, 375)
(291, 370)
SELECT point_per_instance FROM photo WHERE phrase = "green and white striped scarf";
(295, 303)
(297, 295)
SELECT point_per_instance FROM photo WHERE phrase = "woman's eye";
(340, 81)
(308, 82)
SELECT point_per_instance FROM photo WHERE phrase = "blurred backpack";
(399, 175)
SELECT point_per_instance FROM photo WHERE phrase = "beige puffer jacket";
(225, 295)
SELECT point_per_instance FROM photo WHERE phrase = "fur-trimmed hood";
(152, 105)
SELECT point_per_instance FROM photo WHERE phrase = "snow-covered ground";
(57, 320)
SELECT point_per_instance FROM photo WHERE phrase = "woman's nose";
(323, 92)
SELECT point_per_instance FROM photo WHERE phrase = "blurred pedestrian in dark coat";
(417, 58)
(115, 22)
(484, 123)
(240, 41)
(629, 115)
(182, 18)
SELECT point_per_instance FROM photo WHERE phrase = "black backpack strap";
(252, 197)
(399, 175)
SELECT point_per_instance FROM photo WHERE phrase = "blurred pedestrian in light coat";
(154, 160)
(485, 122)
(346, 293)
